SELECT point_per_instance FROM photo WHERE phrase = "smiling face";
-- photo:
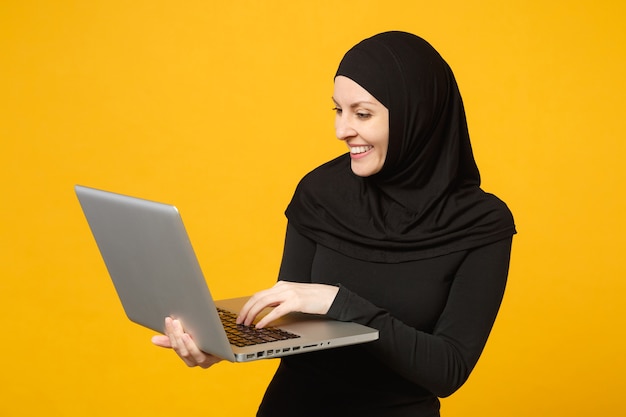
(362, 122)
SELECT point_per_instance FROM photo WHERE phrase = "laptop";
(156, 274)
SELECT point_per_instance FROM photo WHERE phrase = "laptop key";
(240, 335)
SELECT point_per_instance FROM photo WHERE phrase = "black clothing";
(357, 217)
(426, 201)
(433, 315)
(419, 251)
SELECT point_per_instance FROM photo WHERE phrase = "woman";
(396, 235)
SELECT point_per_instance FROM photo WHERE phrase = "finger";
(169, 330)
(196, 356)
(246, 311)
(194, 353)
(183, 345)
(255, 298)
(179, 334)
(186, 349)
(275, 314)
(174, 331)
(161, 341)
(271, 299)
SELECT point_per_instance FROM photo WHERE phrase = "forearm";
(442, 360)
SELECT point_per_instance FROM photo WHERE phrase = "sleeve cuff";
(336, 308)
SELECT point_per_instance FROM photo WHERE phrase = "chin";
(363, 171)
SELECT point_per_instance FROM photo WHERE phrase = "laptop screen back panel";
(153, 266)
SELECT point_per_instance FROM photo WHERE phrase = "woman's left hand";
(181, 342)
(287, 297)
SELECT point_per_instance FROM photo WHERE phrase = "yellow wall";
(220, 108)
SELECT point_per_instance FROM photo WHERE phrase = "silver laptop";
(155, 272)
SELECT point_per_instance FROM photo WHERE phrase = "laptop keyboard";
(241, 335)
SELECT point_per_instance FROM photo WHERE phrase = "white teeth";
(360, 149)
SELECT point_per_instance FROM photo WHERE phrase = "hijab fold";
(426, 201)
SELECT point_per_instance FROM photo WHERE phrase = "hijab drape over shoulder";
(426, 201)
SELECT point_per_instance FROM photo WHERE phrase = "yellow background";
(221, 107)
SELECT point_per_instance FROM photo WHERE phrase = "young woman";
(396, 234)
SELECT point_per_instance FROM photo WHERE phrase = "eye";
(337, 110)
(361, 115)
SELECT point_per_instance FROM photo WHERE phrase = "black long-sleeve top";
(433, 317)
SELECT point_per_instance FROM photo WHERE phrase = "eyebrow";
(357, 104)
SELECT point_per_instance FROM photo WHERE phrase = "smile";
(360, 149)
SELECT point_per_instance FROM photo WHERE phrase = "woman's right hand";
(175, 338)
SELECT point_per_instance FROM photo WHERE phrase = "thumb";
(162, 341)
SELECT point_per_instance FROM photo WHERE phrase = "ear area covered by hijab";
(426, 201)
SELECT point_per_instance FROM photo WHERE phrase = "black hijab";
(426, 201)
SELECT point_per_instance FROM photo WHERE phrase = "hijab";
(426, 201)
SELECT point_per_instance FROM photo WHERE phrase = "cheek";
(383, 135)
(384, 143)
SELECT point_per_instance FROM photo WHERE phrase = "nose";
(343, 128)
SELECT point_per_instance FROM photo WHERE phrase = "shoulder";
(328, 169)
(335, 171)
(499, 208)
